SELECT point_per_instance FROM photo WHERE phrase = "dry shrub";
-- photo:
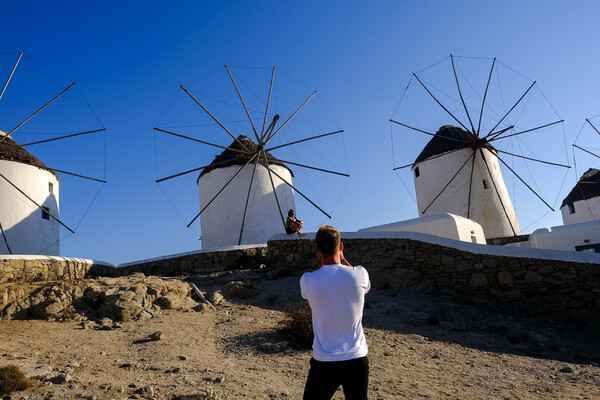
(297, 326)
(12, 379)
(67, 312)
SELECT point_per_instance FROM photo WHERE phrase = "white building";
(584, 236)
(444, 225)
(222, 220)
(582, 204)
(27, 229)
(474, 193)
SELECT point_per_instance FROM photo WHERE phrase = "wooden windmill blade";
(454, 177)
(22, 182)
(253, 168)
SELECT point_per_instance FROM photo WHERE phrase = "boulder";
(238, 290)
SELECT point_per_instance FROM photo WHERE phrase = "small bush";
(12, 379)
(297, 326)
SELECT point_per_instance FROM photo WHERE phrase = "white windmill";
(582, 204)
(29, 192)
(27, 223)
(246, 191)
(459, 172)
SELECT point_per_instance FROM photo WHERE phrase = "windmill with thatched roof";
(459, 170)
(246, 191)
(29, 195)
(29, 191)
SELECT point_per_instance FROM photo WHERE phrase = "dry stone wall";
(30, 269)
(569, 289)
(562, 284)
(205, 261)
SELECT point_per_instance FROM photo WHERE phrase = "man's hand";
(343, 260)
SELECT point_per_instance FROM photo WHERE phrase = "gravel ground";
(420, 347)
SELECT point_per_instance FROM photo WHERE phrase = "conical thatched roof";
(446, 139)
(587, 188)
(228, 157)
(12, 151)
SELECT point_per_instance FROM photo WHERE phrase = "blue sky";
(129, 58)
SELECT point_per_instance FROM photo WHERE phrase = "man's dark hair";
(328, 239)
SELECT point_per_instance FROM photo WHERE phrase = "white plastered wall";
(222, 220)
(567, 237)
(486, 207)
(25, 229)
(444, 225)
(584, 211)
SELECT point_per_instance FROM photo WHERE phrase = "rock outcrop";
(130, 298)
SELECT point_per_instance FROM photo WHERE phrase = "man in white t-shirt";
(336, 294)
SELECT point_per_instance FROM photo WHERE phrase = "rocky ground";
(420, 346)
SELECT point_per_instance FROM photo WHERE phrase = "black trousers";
(324, 378)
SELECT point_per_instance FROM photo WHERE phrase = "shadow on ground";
(435, 317)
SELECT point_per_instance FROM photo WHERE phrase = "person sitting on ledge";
(293, 224)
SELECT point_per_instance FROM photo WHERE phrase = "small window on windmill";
(486, 184)
(417, 173)
(571, 208)
(45, 213)
(50, 187)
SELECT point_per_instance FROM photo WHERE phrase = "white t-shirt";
(336, 294)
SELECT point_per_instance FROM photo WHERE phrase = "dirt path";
(237, 351)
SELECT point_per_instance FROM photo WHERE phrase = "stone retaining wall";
(563, 284)
(28, 268)
(563, 288)
(235, 258)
